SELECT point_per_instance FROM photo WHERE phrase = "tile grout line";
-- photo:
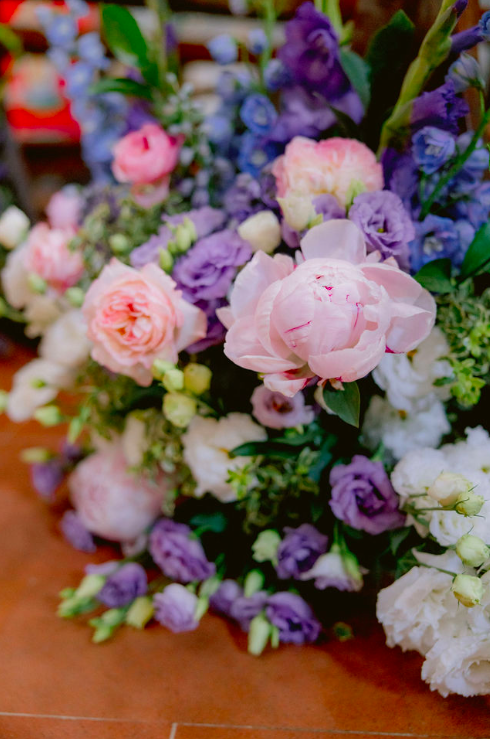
(173, 731)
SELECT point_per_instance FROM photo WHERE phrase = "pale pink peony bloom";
(135, 317)
(48, 255)
(309, 168)
(110, 501)
(333, 316)
(64, 209)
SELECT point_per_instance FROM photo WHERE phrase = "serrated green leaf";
(357, 70)
(122, 85)
(477, 258)
(127, 43)
(346, 403)
(436, 276)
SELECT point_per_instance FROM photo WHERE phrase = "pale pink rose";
(110, 501)
(145, 156)
(333, 316)
(48, 255)
(311, 168)
(137, 316)
(64, 209)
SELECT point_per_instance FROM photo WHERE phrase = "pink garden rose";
(135, 317)
(145, 158)
(333, 316)
(110, 501)
(309, 168)
(64, 209)
(48, 255)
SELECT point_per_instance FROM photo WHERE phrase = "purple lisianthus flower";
(258, 114)
(46, 477)
(122, 587)
(75, 532)
(274, 410)
(432, 148)
(401, 175)
(215, 331)
(205, 220)
(299, 550)
(175, 608)
(363, 496)
(324, 205)
(440, 107)
(244, 609)
(435, 238)
(207, 270)
(179, 556)
(385, 223)
(104, 568)
(293, 617)
(222, 600)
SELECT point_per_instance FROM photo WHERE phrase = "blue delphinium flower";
(485, 25)
(275, 75)
(91, 50)
(223, 49)
(432, 148)
(255, 154)
(465, 72)
(256, 41)
(258, 114)
(78, 8)
(475, 208)
(78, 77)
(61, 30)
(435, 238)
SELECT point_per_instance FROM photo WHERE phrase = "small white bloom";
(447, 488)
(134, 440)
(40, 312)
(298, 211)
(206, 446)
(65, 341)
(15, 280)
(36, 384)
(459, 664)
(332, 570)
(14, 225)
(262, 231)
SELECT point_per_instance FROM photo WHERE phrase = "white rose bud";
(472, 550)
(14, 225)
(469, 504)
(447, 488)
(262, 231)
(197, 378)
(468, 589)
(179, 409)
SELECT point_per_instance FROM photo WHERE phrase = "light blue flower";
(61, 30)
(79, 77)
(219, 129)
(485, 25)
(432, 148)
(79, 8)
(254, 154)
(258, 114)
(275, 75)
(60, 58)
(223, 49)
(257, 41)
(91, 50)
(466, 72)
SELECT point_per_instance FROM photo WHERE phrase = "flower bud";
(202, 606)
(253, 583)
(179, 409)
(166, 260)
(48, 415)
(75, 296)
(13, 227)
(265, 546)
(468, 589)
(469, 504)
(262, 231)
(173, 380)
(356, 187)
(119, 244)
(185, 235)
(259, 634)
(36, 455)
(37, 383)
(297, 210)
(472, 550)
(140, 612)
(447, 488)
(90, 586)
(160, 367)
(36, 283)
(197, 378)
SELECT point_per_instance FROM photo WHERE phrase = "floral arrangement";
(269, 343)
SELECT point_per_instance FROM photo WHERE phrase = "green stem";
(433, 51)
(160, 10)
(431, 567)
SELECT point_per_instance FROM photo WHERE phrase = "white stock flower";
(65, 341)
(459, 664)
(401, 433)
(36, 384)
(262, 231)
(407, 378)
(206, 446)
(13, 227)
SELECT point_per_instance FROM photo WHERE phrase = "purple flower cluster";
(75, 532)
(123, 586)
(175, 608)
(179, 556)
(363, 496)
(46, 477)
(299, 550)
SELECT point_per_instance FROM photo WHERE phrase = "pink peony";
(145, 156)
(135, 317)
(333, 316)
(309, 168)
(64, 209)
(110, 501)
(48, 255)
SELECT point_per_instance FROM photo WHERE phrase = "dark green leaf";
(347, 126)
(266, 448)
(324, 458)
(126, 41)
(397, 538)
(436, 276)
(477, 258)
(345, 403)
(357, 71)
(389, 46)
(122, 85)
(215, 522)
(10, 40)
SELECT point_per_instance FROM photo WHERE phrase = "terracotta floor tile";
(19, 727)
(49, 667)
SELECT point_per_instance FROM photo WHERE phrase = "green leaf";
(215, 522)
(266, 448)
(389, 46)
(397, 538)
(346, 403)
(122, 85)
(436, 276)
(357, 70)
(10, 40)
(477, 258)
(127, 43)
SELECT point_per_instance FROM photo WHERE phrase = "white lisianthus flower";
(206, 446)
(65, 341)
(15, 279)
(262, 231)
(332, 570)
(36, 384)
(459, 664)
(401, 433)
(134, 440)
(407, 378)
(14, 225)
